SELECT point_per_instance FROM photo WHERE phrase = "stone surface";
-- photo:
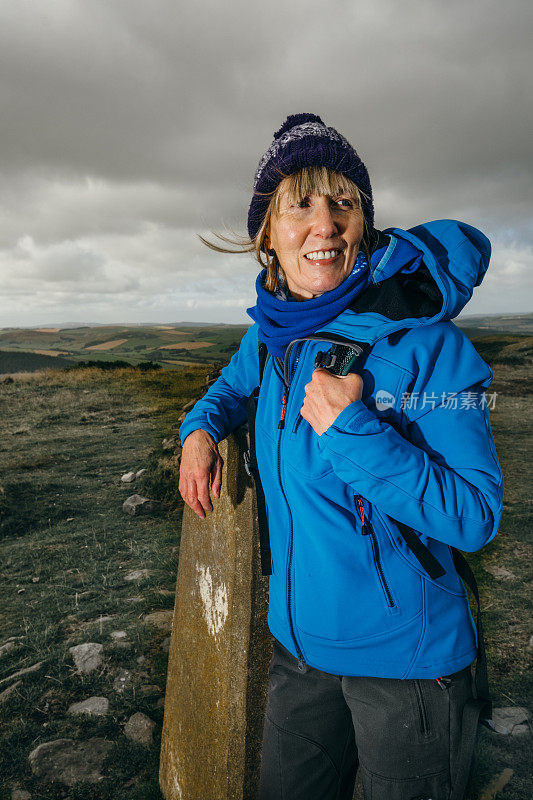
(140, 472)
(87, 656)
(118, 635)
(135, 504)
(69, 762)
(500, 573)
(5, 648)
(128, 477)
(220, 648)
(139, 728)
(93, 706)
(136, 575)
(161, 619)
(9, 691)
(511, 720)
(20, 794)
(149, 688)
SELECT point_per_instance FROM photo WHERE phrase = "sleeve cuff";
(350, 420)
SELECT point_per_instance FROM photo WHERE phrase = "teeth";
(321, 254)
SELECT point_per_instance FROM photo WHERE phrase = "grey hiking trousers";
(320, 729)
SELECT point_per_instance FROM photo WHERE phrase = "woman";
(371, 478)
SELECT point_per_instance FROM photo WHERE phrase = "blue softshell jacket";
(417, 448)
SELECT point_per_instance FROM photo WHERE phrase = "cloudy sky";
(130, 126)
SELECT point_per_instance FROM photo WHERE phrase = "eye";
(299, 203)
(346, 200)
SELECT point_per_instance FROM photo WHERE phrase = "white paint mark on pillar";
(215, 601)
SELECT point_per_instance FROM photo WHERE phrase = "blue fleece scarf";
(280, 321)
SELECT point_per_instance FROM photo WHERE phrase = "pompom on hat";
(303, 141)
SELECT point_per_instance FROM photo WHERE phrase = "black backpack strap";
(425, 557)
(252, 469)
(478, 709)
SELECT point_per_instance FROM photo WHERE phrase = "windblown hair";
(299, 185)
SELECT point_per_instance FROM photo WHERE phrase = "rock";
(128, 477)
(9, 691)
(511, 720)
(140, 472)
(20, 794)
(136, 575)
(141, 659)
(139, 728)
(118, 634)
(530, 644)
(25, 671)
(121, 645)
(501, 574)
(135, 505)
(169, 444)
(93, 706)
(69, 762)
(161, 619)
(5, 648)
(87, 656)
(165, 645)
(496, 785)
(149, 688)
(123, 681)
(135, 599)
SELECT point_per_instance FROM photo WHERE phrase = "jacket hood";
(419, 276)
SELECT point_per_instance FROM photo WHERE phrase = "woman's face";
(315, 226)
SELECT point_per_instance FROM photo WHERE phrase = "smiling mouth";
(323, 257)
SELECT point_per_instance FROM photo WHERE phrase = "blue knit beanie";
(303, 141)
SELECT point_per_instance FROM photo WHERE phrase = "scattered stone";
(25, 671)
(169, 444)
(9, 691)
(123, 681)
(69, 762)
(165, 645)
(36, 578)
(511, 720)
(5, 648)
(21, 590)
(135, 505)
(140, 472)
(87, 656)
(161, 619)
(118, 634)
(93, 707)
(139, 728)
(135, 599)
(128, 477)
(20, 794)
(120, 645)
(530, 645)
(166, 592)
(141, 659)
(136, 575)
(496, 785)
(501, 574)
(149, 688)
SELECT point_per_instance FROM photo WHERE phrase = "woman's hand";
(327, 395)
(201, 466)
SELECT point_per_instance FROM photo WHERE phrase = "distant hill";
(496, 323)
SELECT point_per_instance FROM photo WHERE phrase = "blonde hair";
(318, 180)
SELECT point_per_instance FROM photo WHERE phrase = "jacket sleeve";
(442, 478)
(223, 406)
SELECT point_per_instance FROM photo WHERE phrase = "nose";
(323, 220)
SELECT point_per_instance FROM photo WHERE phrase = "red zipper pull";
(364, 527)
(281, 423)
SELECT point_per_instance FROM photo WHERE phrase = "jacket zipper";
(421, 708)
(368, 530)
(281, 426)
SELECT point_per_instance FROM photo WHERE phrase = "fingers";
(217, 477)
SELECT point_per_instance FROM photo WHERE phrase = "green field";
(66, 547)
(28, 349)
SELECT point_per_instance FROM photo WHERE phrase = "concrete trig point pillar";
(219, 649)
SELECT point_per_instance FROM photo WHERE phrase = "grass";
(66, 545)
